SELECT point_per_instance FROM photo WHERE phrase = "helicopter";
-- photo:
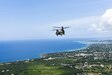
(60, 30)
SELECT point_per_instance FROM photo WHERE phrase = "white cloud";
(105, 23)
(91, 26)
(85, 27)
(78, 27)
(80, 24)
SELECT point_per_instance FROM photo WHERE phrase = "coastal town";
(95, 59)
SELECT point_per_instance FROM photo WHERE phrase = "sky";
(35, 19)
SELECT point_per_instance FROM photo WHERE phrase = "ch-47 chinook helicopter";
(60, 30)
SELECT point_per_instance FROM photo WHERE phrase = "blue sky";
(34, 19)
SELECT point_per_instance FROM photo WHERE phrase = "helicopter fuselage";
(60, 32)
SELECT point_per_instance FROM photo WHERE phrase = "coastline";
(42, 55)
(78, 49)
(69, 61)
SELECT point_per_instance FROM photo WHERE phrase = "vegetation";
(95, 60)
(38, 66)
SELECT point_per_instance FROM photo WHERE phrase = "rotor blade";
(56, 27)
(66, 27)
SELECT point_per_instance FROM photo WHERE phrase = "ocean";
(28, 49)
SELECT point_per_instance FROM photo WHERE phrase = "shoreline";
(41, 55)
(87, 43)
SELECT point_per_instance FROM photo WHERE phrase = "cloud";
(83, 27)
(90, 26)
(80, 24)
(78, 27)
(105, 23)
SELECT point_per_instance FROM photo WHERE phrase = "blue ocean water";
(21, 50)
